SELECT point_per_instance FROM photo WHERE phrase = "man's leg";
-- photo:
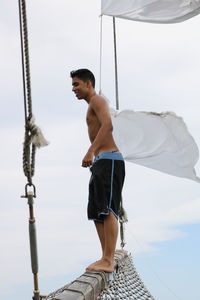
(110, 235)
(100, 231)
(108, 232)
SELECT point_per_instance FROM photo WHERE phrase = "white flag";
(158, 141)
(154, 11)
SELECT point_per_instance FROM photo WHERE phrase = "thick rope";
(25, 59)
(33, 136)
(28, 152)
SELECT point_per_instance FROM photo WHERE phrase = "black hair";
(83, 74)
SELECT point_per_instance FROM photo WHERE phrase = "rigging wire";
(140, 246)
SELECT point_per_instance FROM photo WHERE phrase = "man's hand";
(87, 160)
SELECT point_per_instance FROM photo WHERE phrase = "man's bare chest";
(91, 118)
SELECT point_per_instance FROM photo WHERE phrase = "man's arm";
(100, 107)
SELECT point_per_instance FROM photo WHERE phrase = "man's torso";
(93, 129)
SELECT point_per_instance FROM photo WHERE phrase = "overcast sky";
(159, 70)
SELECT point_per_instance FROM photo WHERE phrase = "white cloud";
(188, 212)
(145, 231)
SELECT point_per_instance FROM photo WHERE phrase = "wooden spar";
(89, 285)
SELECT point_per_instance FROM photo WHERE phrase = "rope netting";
(127, 284)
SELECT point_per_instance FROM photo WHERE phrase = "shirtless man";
(107, 168)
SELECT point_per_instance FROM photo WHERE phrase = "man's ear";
(89, 83)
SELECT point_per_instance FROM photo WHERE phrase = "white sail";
(158, 141)
(154, 11)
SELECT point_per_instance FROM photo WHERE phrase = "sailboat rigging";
(160, 11)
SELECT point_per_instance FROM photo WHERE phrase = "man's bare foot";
(90, 267)
(103, 265)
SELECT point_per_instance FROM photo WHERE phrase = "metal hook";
(27, 190)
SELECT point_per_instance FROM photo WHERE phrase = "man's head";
(84, 75)
(83, 81)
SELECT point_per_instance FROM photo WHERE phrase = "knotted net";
(127, 284)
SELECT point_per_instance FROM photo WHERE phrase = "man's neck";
(90, 96)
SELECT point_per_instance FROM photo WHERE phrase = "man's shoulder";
(98, 100)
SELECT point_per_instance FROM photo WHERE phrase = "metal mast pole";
(122, 218)
(116, 66)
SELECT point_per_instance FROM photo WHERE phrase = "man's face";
(79, 87)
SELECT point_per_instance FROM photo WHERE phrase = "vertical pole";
(117, 107)
(116, 67)
(100, 50)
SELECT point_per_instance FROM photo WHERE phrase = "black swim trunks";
(105, 186)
